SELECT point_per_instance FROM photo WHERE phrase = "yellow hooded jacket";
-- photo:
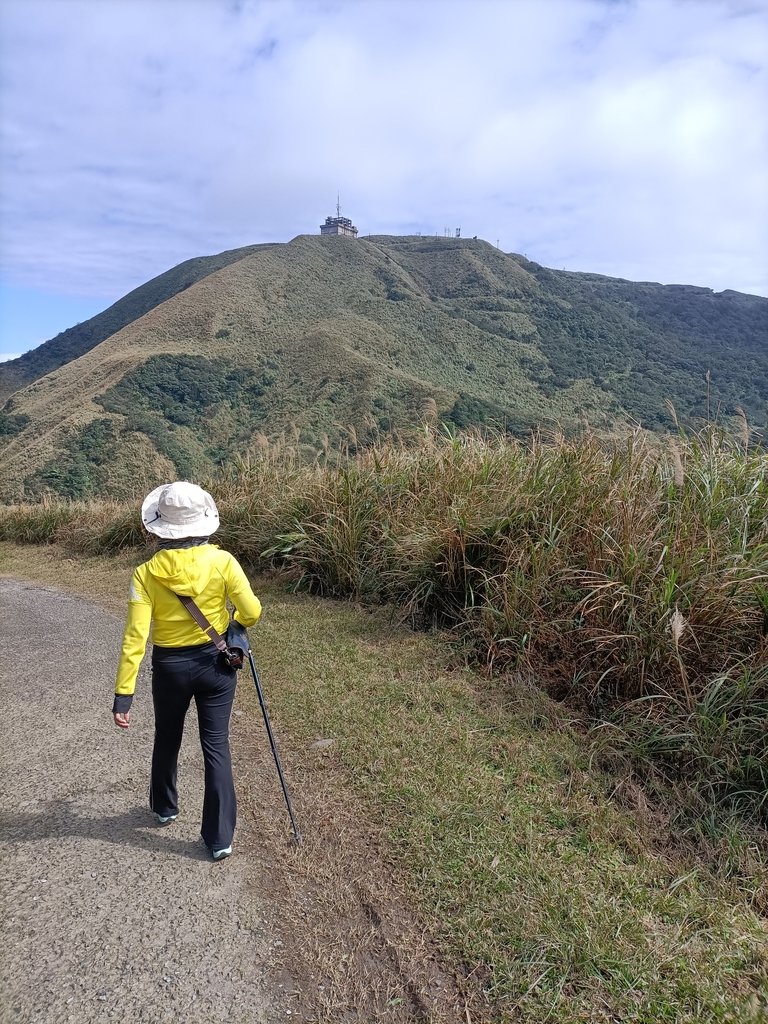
(205, 573)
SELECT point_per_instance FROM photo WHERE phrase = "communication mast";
(338, 225)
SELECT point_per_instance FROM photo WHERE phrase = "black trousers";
(178, 675)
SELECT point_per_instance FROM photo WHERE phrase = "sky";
(621, 137)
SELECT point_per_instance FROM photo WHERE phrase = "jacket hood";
(185, 571)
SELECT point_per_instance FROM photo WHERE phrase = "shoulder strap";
(203, 623)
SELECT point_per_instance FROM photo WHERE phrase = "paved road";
(106, 916)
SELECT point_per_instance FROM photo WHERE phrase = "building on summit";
(338, 225)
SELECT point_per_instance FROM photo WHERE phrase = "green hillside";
(323, 334)
(70, 344)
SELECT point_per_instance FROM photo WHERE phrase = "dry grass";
(631, 581)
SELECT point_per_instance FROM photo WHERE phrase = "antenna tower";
(338, 205)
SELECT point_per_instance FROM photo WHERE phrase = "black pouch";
(237, 646)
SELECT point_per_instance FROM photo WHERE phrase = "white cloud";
(5, 356)
(626, 138)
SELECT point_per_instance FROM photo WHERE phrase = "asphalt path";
(107, 916)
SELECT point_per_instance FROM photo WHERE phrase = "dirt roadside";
(110, 917)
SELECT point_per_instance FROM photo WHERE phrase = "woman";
(185, 663)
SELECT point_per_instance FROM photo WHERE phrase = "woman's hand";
(122, 719)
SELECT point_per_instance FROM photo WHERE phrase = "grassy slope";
(77, 340)
(363, 333)
(567, 907)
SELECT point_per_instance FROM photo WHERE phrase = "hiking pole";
(263, 703)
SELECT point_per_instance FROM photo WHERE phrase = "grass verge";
(551, 900)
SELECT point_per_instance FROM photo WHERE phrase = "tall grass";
(631, 579)
(85, 527)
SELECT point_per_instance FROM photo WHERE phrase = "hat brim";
(202, 526)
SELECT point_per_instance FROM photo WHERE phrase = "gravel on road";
(107, 915)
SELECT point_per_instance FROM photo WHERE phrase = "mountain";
(320, 334)
(73, 342)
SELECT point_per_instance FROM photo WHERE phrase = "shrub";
(12, 423)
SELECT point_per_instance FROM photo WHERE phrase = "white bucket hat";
(178, 510)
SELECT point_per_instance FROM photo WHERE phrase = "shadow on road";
(58, 820)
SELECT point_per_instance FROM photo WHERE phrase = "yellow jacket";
(205, 573)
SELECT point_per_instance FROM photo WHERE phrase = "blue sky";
(624, 138)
